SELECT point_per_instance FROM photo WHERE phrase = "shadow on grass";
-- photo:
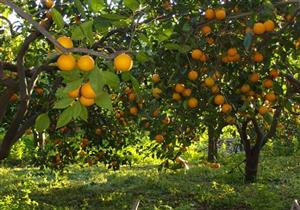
(196, 189)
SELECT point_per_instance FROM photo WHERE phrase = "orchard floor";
(198, 188)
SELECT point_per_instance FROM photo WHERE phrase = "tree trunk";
(252, 159)
(212, 145)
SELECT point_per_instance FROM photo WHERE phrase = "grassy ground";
(198, 188)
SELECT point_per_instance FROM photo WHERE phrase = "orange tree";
(196, 63)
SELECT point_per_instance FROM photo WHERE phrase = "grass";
(198, 188)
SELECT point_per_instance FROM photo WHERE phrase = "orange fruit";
(258, 57)
(196, 54)
(215, 165)
(209, 82)
(166, 121)
(155, 78)
(86, 63)
(259, 28)
(14, 98)
(156, 92)
(262, 110)
(192, 102)
(215, 89)
(274, 73)
(209, 14)
(219, 100)
(65, 41)
(232, 51)
(203, 58)
(226, 108)
(66, 62)
(48, 3)
(220, 14)
(159, 138)
(176, 97)
(86, 101)
(74, 93)
(254, 77)
(269, 25)
(133, 110)
(210, 41)
(206, 30)
(187, 92)
(245, 88)
(271, 97)
(123, 62)
(193, 75)
(39, 91)
(131, 97)
(268, 83)
(179, 88)
(87, 91)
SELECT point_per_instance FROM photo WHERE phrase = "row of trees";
(196, 65)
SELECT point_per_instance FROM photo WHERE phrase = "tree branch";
(9, 23)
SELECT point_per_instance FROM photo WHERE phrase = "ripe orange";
(39, 91)
(132, 97)
(262, 110)
(166, 121)
(226, 108)
(176, 97)
(159, 138)
(259, 28)
(155, 78)
(74, 93)
(156, 92)
(86, 63)
(48, 3)
(196, 54)
(86, 101)
(87, 91)
(209, 82)
(254, 77)
(268, 83)
(123, 62)
(271, 97)
(192, 102)
(215, 165)
(210, 41)
(66, 62)
(232, 51)
(269, 25)
(258, 57)
(220, 14)
(215, 89)
(219, 100)
(193, 75)
(209, 14)
(179, 88)
(206, 30)
(133, 110)
(187, 92)
(245, 88)
(14, 98)
(203, 58)
(274, 73)
(66, 42)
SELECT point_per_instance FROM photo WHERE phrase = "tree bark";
(252, 160)
(212, 144)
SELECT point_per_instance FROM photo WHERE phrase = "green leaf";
(126, 76)
(184, 48)
(104, 101)
(111, 79)
(172, 46)
(142, 57)
(135, 84)
(248, 40)
(70, 76)
(80, 8)
(132, 4)
(96, 79)
(42, 122)
(58, 18)
(65, 117)
(76, 110)
(87, 28)
(113, 17)
(73, 85)
(96, 5)
(84, 113)
(63, 103)
(77, 33)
